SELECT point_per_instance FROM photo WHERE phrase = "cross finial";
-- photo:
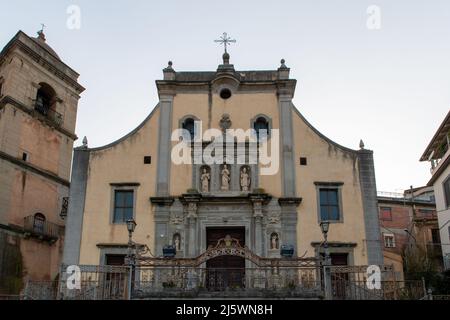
(225, 40)
(40, 33)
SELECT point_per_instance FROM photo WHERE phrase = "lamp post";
(131, 226)
(130, 258)
(325, 226)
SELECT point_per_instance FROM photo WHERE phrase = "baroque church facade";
(191, 205)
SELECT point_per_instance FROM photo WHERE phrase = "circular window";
(225, 93)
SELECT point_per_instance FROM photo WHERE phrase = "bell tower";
(39, 96)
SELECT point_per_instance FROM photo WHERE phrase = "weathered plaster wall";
(120, 163)
(327, 163)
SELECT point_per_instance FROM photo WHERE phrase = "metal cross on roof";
(225, 40)
(43, 26)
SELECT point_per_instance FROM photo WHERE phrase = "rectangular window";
(123, 205)
(435, 236)
(389, 240)
(447, 192)
(115, 259)
(329, 204)
(386, 213)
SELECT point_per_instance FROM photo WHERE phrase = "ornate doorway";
(225, 271)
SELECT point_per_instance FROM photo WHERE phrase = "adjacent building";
(178, 198)
(38, 106)
(409, 220)
(438, 154)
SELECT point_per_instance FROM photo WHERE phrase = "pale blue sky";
(389, 87)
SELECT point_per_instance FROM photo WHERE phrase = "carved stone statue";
(274, 241)
(177, 241)
(245, 180)
(205, 178)
(225, 178)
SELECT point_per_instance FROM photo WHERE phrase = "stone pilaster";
(370, 204)
(289, 221)
(75, 213)
(164, 144)
(192, 224)
(191, 200)
(258, 201)
(161, 216)
(287, 144)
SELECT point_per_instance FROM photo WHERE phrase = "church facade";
(269, 191)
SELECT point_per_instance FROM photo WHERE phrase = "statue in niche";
(177, 241)
(245, 179)
(225, 178)
(205, 178)
(274, 242)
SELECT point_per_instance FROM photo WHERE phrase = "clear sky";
(388, 86)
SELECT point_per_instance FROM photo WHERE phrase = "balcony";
(48, 113)
(40, 228)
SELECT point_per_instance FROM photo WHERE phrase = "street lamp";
(130, 258)
(325, 226)
(131, 226)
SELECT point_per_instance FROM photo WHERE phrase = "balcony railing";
(50, 114)
(42, 229)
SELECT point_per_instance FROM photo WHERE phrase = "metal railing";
(350, 283)
(41, 228)
(150, 282)
(96, 283)
(49, 113)
(234, 282)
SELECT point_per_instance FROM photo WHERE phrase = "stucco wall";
(119, 163)
(327, 163)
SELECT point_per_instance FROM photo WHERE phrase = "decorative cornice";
(32, 168)
(260, 197)
(10, 100)
(290, 201)
(328, 183)
(335, 244)
(117, 245)
(125, 184)
(162, 201)
(190, 197)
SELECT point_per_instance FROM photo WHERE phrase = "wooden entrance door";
(225, 271)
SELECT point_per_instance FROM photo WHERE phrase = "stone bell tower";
(39, 96)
